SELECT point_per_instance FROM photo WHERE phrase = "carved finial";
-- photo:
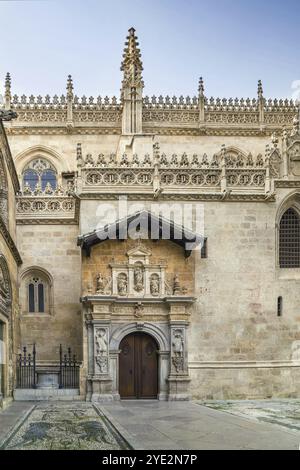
(274, 140)
(7, 84)
(260, 90)
(7, 94)
(267, 154)
(132, 65)
(69, 88)
(156, 151)
(201, 87)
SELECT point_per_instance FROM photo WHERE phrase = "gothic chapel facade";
(147, 316)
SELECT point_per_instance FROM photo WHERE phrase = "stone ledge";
(242, 364)
(30, 394)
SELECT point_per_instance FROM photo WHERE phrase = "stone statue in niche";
(154, 285)
(101, 350)
(122, 284)
(178, 350)
(177, 289)
(138, 278)
(100, 285)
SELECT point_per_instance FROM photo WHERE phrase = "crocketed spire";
(132, 65)
(69, 87)
(201, 87)
(260, 90)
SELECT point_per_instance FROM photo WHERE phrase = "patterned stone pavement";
(64, 426)
(150, 424)
(284, 413)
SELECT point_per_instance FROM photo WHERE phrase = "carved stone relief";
(138, 277)
(178, 349)
(101, 349)
(122, 284)
(103, 285)
(294, 157)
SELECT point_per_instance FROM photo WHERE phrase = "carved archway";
(3, 191)
(138, 366)
(150, 328)
(291, 201)
(160, 333)
(23, 159)
(7, 333)
(5, 288)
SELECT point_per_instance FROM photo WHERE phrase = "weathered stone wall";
(235, 317)
(54, 249)
(237, 286)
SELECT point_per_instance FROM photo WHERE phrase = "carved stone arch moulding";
(290, 201)
(40, 151)
(234, 156)
(3, 191)
(41, 274)
(150, 328)
(5, 287)
(294, 158)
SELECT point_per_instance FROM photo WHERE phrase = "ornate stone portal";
(138, 299)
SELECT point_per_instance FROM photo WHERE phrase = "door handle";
(130, 371)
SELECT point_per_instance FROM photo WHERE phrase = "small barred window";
(289, 240)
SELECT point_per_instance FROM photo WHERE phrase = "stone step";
(47, 394)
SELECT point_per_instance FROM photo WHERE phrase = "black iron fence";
(26, 369)
(68, 369)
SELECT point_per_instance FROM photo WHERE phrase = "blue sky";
(232, 43)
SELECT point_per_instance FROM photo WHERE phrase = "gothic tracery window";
(39, 173)
(289, 240)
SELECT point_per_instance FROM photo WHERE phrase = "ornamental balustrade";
(171, 111)
(42, 205)
(188, 171)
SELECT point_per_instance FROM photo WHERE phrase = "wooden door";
(138, 367)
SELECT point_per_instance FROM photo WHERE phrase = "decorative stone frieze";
(33, 207)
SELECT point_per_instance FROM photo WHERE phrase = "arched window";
(39, 173)
(36, 293)
(289, 240)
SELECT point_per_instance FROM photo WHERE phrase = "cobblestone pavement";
(284, 413)
(147, 424)
(63, 426)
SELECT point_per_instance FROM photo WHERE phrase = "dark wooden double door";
(138, 367)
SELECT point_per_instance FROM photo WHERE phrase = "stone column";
(179, 375)
(163, 372)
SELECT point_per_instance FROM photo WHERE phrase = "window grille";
(289, 240)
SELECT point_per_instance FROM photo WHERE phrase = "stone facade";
(214, 312)
(10, 260)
